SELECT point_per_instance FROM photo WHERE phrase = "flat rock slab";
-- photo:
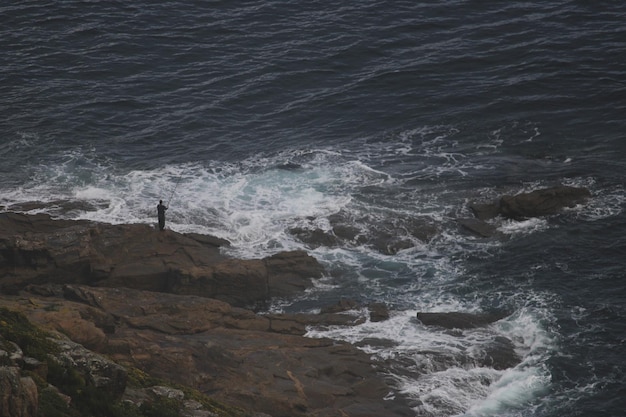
(456, 320)
(36, 249)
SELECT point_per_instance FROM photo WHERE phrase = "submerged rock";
(387, 237)
(315, 237)
(538, 203)
(543, 202)
(59, 206)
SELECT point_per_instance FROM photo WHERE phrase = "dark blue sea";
(256, 119)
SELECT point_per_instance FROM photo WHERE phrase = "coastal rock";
(484, 211)
(257, 362)
(478, 227)
(456, 320)
(348, 233)
(378, 312)
(18, 395)
(499, 354)
(35, 249)
(97, 371)
(340, 306)
(388, 237)
(315, 237)
(290, 273)
(35, 366)
(543, 202)
(60, 206)
(248, 283)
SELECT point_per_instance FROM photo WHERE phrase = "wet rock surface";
(457, 320)
(538, 203)
(388, 237)
(542, 202)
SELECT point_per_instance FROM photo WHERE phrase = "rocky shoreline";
(146, 319)
(172, 306)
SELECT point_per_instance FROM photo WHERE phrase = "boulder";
(171, 305)
(251, 282)
(390, 237)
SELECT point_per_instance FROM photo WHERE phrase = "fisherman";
(161, 212)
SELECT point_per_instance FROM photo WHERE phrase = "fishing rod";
(173, 191)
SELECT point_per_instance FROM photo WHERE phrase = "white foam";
(519, 387)
(532, 225)
(514, 390)
(605, 203)
(446, 381)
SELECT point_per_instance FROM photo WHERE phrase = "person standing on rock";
(161, 214)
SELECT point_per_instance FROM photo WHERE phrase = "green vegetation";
(86, 400)
(51, 404)
(15, 327)
(139, 379)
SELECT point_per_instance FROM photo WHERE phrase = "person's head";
(160, 201)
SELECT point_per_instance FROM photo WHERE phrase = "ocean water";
(254, 119)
